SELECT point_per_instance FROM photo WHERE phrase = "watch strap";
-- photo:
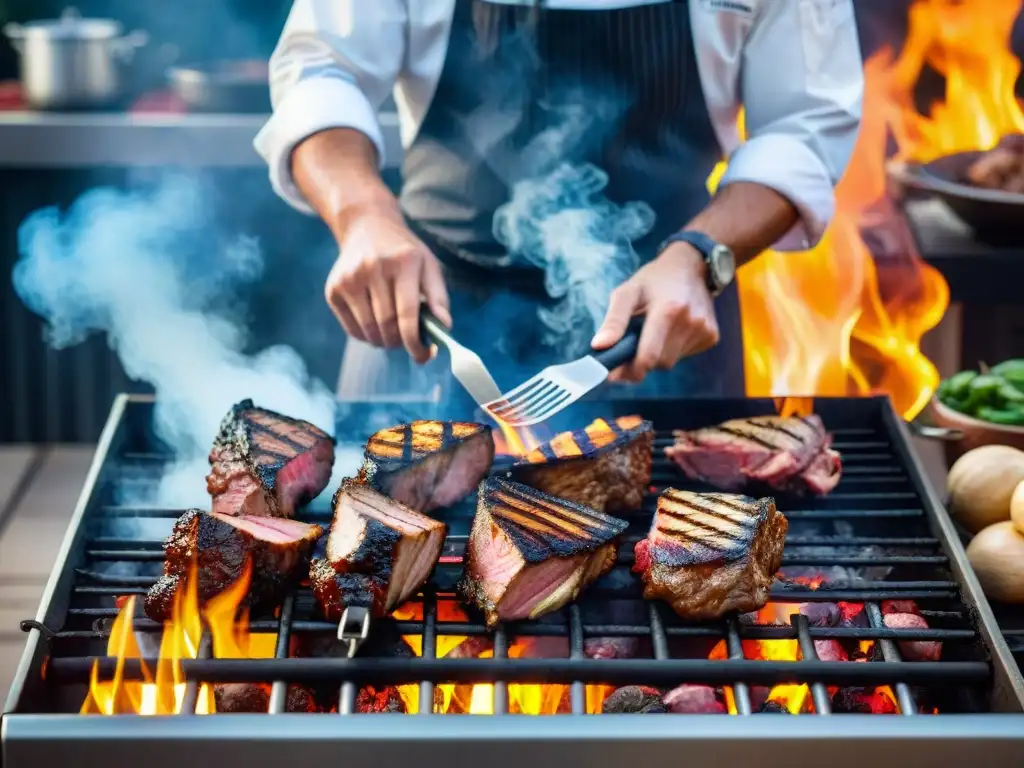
(705, 245)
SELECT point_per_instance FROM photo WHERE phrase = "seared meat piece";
(255, 698)
(221, 545)
(379, 552)
(710, 553)
(605, 466)
(529, 554)
(267, 464)
(787, 454)
(428, 464)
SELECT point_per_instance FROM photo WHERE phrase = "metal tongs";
(354, 628)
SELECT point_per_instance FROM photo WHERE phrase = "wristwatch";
(718, 258)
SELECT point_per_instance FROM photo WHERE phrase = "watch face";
(723, 265)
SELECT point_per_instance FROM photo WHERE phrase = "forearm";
(337, 172)
(747, 217)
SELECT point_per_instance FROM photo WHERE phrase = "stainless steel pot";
(71, 62)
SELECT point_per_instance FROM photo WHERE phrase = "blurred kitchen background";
(49, 158)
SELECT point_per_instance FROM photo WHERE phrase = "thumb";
(435, 291)
(621, 307)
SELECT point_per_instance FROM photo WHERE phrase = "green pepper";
(1009, 368)
(1012, 415)
(1012, 371)
(1008, 393)
(956, 385)
(983, 390)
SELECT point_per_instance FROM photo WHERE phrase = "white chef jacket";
(793, 65)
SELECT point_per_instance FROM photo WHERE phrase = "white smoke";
(559, 221)
(133, 266)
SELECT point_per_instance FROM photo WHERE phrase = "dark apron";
(514, 74)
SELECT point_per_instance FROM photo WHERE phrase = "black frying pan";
(223, 86)
(996, 217)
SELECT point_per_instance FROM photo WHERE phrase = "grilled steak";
(267, 464)
(428, 464)
(379, 552)
(529, 553)
(710, 553)
(221, 545)
(787, 454)
(605, 466)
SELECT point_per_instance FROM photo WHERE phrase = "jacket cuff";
(311, 106)
(790, 167)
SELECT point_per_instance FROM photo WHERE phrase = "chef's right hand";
(375, 286)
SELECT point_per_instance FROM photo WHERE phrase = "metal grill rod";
(565, 671)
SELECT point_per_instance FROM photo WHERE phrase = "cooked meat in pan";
(428, 464)
(529, 553)
(267, 464)
(710, 553)
(221, 545)
(1001, 167)
(606, 466)
(379, 552)
(787, 454)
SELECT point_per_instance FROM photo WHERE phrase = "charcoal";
(914, 650)
(611, 647)
(854, 616)
(693, 700)
(773, 708)
(863, 701)
(255, 698)
(634, 700)
(822, 614)
(900, 606)
(830, 650)
(471, 647)
(373, 700)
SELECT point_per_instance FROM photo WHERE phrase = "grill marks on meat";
(787, 454)
(379, 552)
(264, 463)
(529, 553)
(428, 464)
(221, 545)
(707, 554)
(605, 466)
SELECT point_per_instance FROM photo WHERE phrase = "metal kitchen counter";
(116, 139)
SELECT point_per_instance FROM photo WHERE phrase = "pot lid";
(71, 26)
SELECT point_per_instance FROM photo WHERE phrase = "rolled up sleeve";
(802, 85)
(335, 64)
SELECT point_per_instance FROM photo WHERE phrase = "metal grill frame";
(266, 740)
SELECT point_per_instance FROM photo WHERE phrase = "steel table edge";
(1007, 673)
(62, 575)
(380, 728)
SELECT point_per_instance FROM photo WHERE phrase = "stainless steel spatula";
(559, 386)
(466, 364)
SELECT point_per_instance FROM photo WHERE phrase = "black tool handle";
(624, 350)
(432, 330)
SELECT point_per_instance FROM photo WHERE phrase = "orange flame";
(833, 320)
(162, 693)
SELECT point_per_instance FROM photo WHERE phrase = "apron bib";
(525, 89)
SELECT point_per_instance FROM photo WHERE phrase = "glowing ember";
(162, 693)
(834, 320)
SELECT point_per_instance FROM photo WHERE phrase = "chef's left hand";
(680, 313)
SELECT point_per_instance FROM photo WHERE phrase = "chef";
(477, 84)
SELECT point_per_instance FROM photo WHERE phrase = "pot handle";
(125, 47)
(15, 32)
(932, 432)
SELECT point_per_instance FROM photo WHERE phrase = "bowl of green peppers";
(986, 406)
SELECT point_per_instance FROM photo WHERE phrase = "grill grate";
(877, 519)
